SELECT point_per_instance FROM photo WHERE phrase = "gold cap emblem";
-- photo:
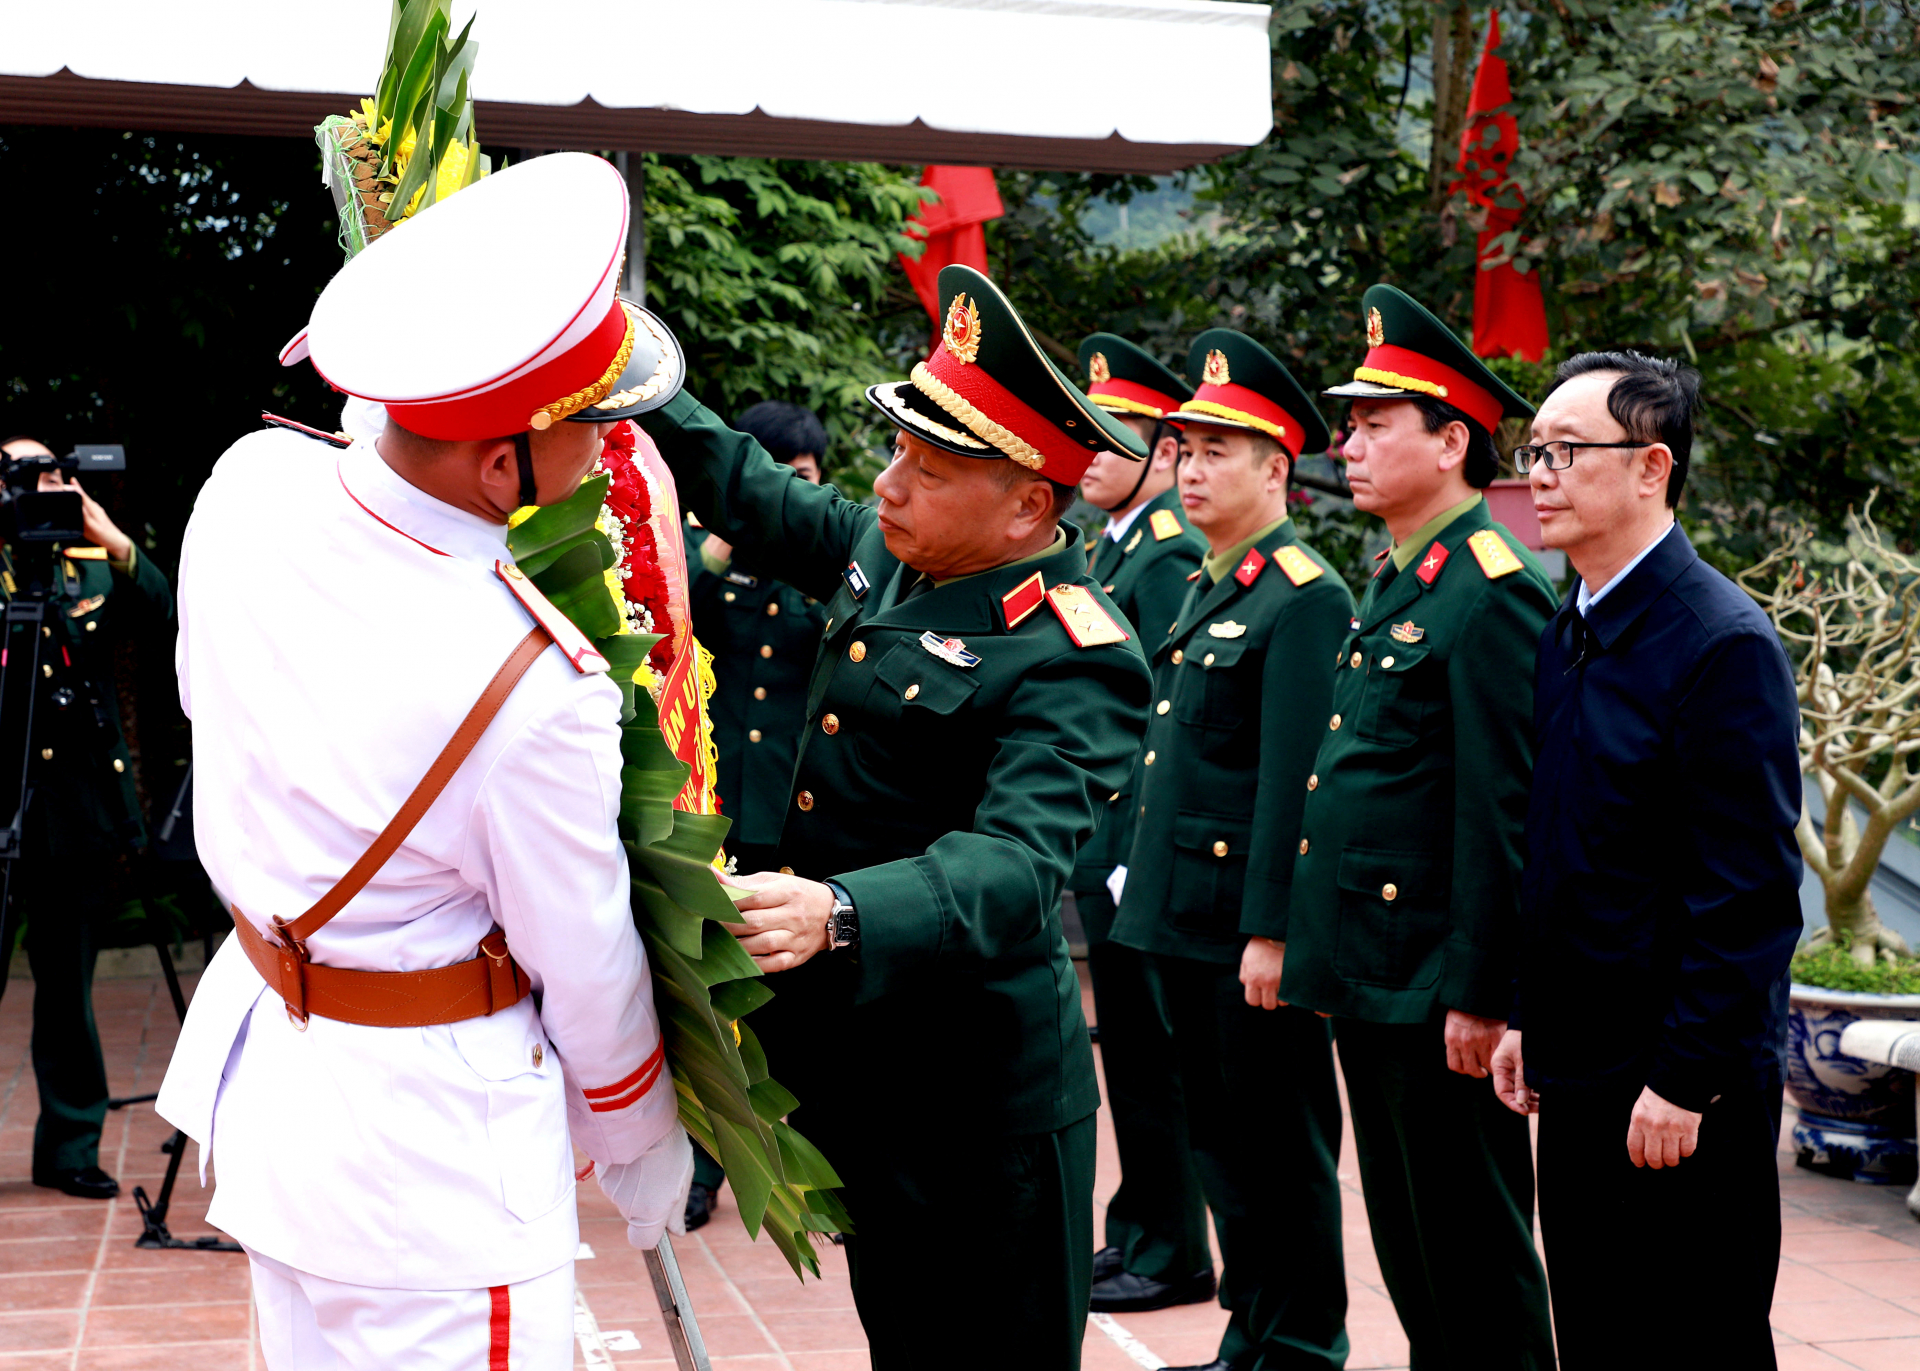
(962, 332)
(1098, 371)
(1215, 373)
(1376, 329)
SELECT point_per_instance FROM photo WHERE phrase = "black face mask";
(523, 453)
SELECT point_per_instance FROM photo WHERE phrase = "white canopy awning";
(1112, 85)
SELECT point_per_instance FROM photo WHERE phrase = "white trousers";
(310, 1323)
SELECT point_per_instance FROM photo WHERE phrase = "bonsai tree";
(1849, 617)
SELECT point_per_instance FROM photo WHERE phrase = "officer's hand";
(1260, 964)
(784, 921)
(1471, 1041)
(100, 530)
(1510, 1076)
(1659, 1133)
(651, 1192)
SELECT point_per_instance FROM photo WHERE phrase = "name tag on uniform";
(740, 578)
(949, 649)
(856, 580)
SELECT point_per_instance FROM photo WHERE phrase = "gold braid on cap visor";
(956, 404)
(1239, 416)
(551, 414)
(1131, 406)
(1399, 382)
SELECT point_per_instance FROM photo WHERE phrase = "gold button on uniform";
(1178, 656)
(539, 1056)
(830, 724)
(92, 624)
(804, 799)
(766, 649)
(753, 735)
(1149, 758)
(1207, 660)
(911, 691)
(1220, 849)
(1389, 891)
(1111, 798)
(1162, 707)
(773, 609)
(759, 692)
(786, 871)
(729, 597)
(858, 652)
(1386, 661)
(1313, 783)
(119, 765)
(1303, 847)
(1336, 722)
(1354, 660)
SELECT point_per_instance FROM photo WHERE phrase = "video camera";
(50, 516)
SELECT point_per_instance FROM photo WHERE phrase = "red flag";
(952, 227)
(1509, 315)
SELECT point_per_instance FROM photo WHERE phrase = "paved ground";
(75, 1293)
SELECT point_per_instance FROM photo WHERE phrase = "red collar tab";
(1062, 459)
(1250, 567)
(1132, 397)
(1431, 563)
(1023, 599)
(1404, 369)
(503, 409)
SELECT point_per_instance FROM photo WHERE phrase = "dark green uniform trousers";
(1448, 1175)
(933, 1211)
(67, 1065)
(1158, 1217)
(1263, 1117)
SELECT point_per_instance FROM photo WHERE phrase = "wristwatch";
(843, 924)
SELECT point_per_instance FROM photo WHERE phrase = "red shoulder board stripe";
(585, 657)
(1250, 567)
(1023, 599)
(1431, 563)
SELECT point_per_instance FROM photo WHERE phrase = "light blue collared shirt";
(1586, 598)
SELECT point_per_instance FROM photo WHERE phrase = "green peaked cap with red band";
(1409, 353)
(1124, 378)
(988, 391)
(1239, 384)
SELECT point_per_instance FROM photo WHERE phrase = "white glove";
(651, 1192)
(1116, 883)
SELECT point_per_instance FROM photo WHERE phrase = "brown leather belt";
(485, 984)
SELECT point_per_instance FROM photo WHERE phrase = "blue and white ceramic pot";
(1856, 1118)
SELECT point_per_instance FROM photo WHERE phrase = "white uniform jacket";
(335, 625)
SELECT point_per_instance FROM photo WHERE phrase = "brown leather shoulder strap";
(424, 794)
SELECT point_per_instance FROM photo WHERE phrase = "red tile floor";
(76, 1294)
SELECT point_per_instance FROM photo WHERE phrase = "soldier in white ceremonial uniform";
(393, 1153)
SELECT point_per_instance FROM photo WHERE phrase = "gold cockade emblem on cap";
(1215, 372)
(1376, 329)
(1098, 371)
(962, 332)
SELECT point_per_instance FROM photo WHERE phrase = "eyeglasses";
(1558, 456)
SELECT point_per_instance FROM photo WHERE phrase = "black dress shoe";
(1210, 1366)
(87, 1183)
(1125, 1293)
(699, 1206)
(1106, 1262)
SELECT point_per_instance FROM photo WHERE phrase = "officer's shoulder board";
(1165, 524)
(585, 657)
(1086, 622)
(84, 554)
(1495, 557)
(1299, 567)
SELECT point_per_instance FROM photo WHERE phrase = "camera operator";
(84, 813)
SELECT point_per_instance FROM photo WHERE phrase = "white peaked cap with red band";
(496, 310)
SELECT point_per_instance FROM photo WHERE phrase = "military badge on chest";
(1409, 632)
(949, 649)
(856, 580)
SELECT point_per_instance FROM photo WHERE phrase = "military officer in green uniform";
(1405, 909)
(763, 636)
(84, 816)
(1156, 1251)
(975, 701)
(1241, 694)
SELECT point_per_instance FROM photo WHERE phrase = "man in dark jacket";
(83, 816)
(1660, 899)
